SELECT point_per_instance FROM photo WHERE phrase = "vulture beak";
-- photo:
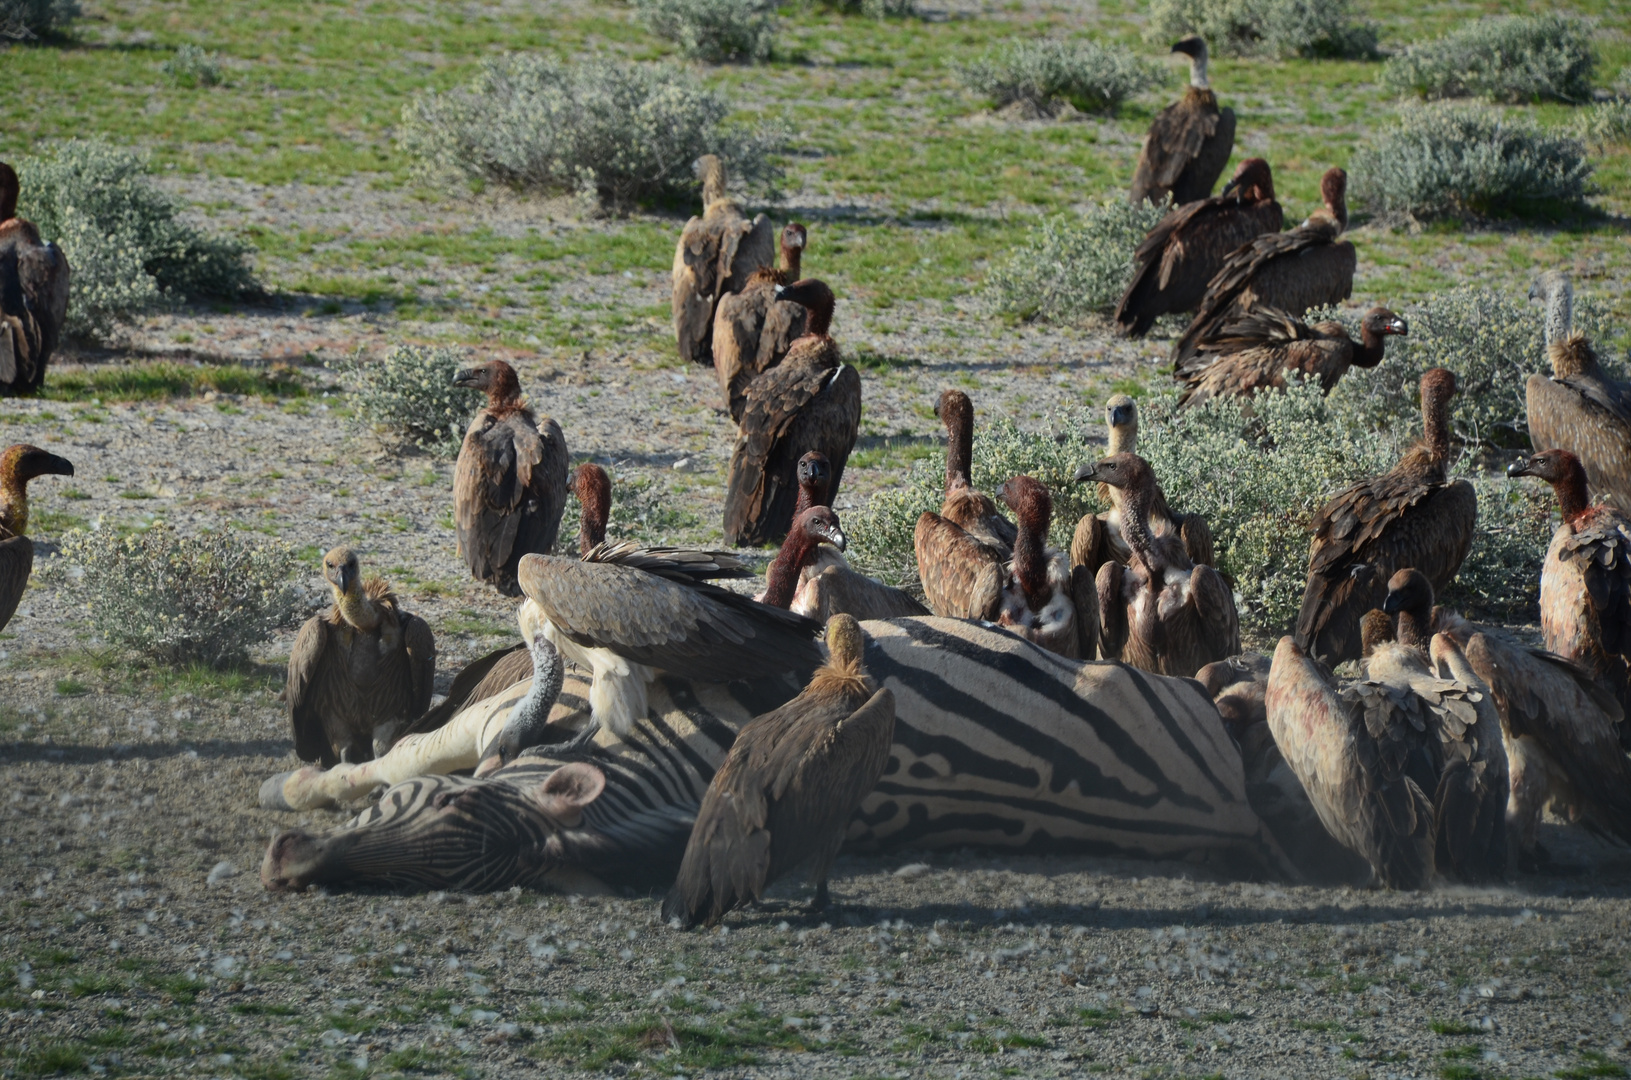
(796, 240)
(832, 534)
(1084, 473)
(1230, 188)
(1397, 325)
(468, 377)
(1393, 603)
(1120, 414)
(1520, 467)
(43, 464)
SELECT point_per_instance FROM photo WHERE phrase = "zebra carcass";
(998, 744)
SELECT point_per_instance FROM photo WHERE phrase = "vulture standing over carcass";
(33, 295)
(1187, 247)
(1413, 515)
(18, 465)
(810, 401)
(359, 667)
(1098, 538)
(1189, 141)
(753, 329)
(1160, 612)
(716, 255)
(788, 788)
(509, 488)
(1309, 266)
(963, 551)
(1579, 408)
(1046, 601)
(1258, 350)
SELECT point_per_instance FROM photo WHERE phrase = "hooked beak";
(1085, 473)
(1120, 414)
(467, 377)
(1230, 188)
(1397, 325)
(833, 535)
(1521, 467)
(1392, 604)
(52, 465)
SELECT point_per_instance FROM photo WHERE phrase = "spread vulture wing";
(962, 578)
(481, 679)
(303, 692)
(16, 563)
(420, 645)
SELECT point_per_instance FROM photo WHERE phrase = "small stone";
(220, 872)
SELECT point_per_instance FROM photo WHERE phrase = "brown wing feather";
(1216, 620)
(301, 693)
(420, 645)
(16, 564)
(695, 283)
(962, 578)
(1113, 628)
(1176, 145)
(1182, 253)
(1561, 417)
(1089, 546)
(753, 248)
(1084, 593)
(738, 323)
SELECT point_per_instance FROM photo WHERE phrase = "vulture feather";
(18, 465)
(1043, 601)
(1260, 349)
(753, 329)
(33, 295)
(1189, 141)
(716, 255)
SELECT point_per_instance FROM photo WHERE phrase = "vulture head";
(1437, 387)
(1121, 418)
(813, 294)
(1194, 47)
(1030, 501)
(1334, 194)
(526, 725)
(1410, 597)
(815, 479)
(18, 465)
(819, 524)
(710, 169)
(1377, 324)
(590, 485)
(794, 237)
(1564, 472)
(497, 378)
(810, 528)
(9, 190)
(1253, 181)
(1126, 471)
(342, 572)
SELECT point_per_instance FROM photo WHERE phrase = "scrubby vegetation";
(874, 9)
(713, 30)
(180, 599)
(409, 395)
(129, 249)
(33, 18)
(1508, 58)
(616, 132)
(1073, 265)
(1046, 74)
(1608, 123)
(192, 66)
(1280, 28)
(1468, 159)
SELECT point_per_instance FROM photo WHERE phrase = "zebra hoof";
(271, 795)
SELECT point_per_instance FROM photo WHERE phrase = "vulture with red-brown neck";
(1413, 515)
(716, 255)
(509, 487)
(810, 401)
(1578, 408)
(33, 295)
(18, 465)
(1160, 612)
(753, 329)
(1260, 349)
(1187, 247)
(1309, 266)
(1044, 600)
(963, 551)
(1189, 141)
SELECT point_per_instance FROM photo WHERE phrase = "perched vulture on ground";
(1189, 141)
(33, 295)
(716, 255)
(963, 551)
(1044, 600)
(509, 489)
(1187, 247)
(752, 329)
(362, 665)
(788, 787)
(18, 465)
(1256, 351)
(810, 401)
(1309, 266)
(1411, 516)
(1579, 408)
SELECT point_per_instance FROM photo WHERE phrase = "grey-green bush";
(23, 19)
(1046, 73)
(874, 9)
(1439, 160)
(408, 394)
(1607, 123)
(192, 66)
(713, 30)
(1280, 28)
(1072, 265)
(129, 249)
(180, 599)
(1508, 58)
(618, 132)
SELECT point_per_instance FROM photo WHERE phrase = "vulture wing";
(727, 859)
(1197, 181)
(420, 645)
(738, 324)
(747, 248)
(1084, 593)
(481, 679)
(962, 578)
(1090, 544)
(1216, 620)
(695, 286)
(976, 514)
(1182, 253)
(1113, 623)
(840, 590)
(1197, 537)
(1176, 138)
(303, 692)
(16, 563)
(1601, 549)
(1565, 416)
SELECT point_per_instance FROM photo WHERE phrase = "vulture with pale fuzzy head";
(716, 255)
(753, 329)
(33, 295)
(1257, 351)
(1189, 141)
(18, 465)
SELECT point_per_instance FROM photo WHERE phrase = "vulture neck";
(1559, 313)
(811, 493)
(1572, 357)
(959, 452)
(1372, 348)
(1031, 560)
(792, 258)
(820, 320)
(1435, 429)
(1416, 626)
(1572, 498)
(528, 716)
(1197, 73)
(592, 524)
(1135, 525)
(782, 579)
(1123, 440)
(713, 183)
(13, 503)
(357, 609)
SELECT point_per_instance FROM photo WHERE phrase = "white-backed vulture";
(715, 256)
(789, 785)
(810, 401)
(1185, 249)
(509, 487)
(1260, 349)
(1189, 141)
(1045, 601)
(752, 329)
(1305, 267)
(1413, 515)
(18, 465)
(1579, 408)
(362, 665)
(33, 295)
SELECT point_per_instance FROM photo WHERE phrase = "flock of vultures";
(1434, 759)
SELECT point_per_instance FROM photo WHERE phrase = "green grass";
(162, 379)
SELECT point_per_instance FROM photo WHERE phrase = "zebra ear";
(569, 789)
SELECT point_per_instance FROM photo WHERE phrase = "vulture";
(810, 401)
(1309, 266)
(812, 529)
(1160, 612)
(1413, 515)
(33, 295)
(1258, 350)
(18, 465)
(716, 255)
(1189, 141)
(1098, 538)
(753, 329)
(1585, 584)
(1579, 408)
(1044, 599)
(509, 488)
(963, 506)
(788, 788)
(1187, 247)
(590, 485)
(359, 667)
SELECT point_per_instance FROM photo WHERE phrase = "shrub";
(1072, 266)
(33, 18)
(1501, 57)
(1046, 73)
(1283, 28)
(713, 30)
(619, 132)
(874, 9)
(192, 66)
(1607, 123)
(180, 599)
(409, 394)
(128, 248)
(1460, 159)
